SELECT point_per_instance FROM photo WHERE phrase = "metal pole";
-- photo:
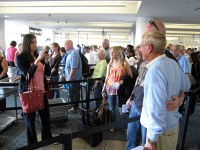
(185, 122)
(66, 141)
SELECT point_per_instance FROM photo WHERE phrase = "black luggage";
(89, 119)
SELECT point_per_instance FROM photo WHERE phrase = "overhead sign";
(35, 31)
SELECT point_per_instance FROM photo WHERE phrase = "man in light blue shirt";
(73, 71)
(163, 79)
(183, 61)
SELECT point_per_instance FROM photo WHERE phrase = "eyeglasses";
(141, 45)
(152, 23)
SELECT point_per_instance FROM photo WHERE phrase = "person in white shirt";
(130, 55)
(90, 57)
(95, 52)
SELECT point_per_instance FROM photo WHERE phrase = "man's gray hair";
(156, 39)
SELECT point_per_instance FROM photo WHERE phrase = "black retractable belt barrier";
(8, 84)
(52, 83)
(183, 130)
(103, 127)
(66, 139)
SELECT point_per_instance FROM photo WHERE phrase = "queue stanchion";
(66, 140)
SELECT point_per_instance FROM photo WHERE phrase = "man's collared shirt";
(163, 80)
(73, 61)
(184, 63)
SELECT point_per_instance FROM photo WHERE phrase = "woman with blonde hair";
(117, 68)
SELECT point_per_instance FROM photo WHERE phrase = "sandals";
(112, 130)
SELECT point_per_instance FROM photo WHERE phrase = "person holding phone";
(36, 66)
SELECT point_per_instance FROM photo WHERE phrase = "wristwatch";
(151, 142)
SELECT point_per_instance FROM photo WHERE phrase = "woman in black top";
(195, 71)
(54, 62)
(29, 62)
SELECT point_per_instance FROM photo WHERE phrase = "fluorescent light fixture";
(171, 38)
(124, 7)
(182, 26)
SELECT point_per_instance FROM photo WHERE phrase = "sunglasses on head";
(152, 23)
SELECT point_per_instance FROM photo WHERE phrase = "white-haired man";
(163, 80)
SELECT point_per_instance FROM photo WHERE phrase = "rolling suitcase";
(89, 119)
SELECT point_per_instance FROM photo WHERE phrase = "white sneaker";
(72, 110)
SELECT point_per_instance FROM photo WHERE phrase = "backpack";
(85, 66)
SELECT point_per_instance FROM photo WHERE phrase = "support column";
(2, 39)
(141, 22)
(78, 37)
(54, 36)
(132, 37)
(66, 35)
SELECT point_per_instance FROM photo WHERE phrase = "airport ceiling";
(181, 17)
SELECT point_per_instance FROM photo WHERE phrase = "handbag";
(104, 114)
(33, 99)
(90, 117)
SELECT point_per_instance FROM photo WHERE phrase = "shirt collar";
(153, 61)
(70, 51)
(179, 57)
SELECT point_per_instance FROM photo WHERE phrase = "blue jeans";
(112, 101)
(56, 92)
(135, 130)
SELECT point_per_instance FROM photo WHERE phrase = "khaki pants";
(168, 140)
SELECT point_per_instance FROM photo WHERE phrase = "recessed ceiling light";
(6, 16)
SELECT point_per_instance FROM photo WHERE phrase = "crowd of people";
(150, 78)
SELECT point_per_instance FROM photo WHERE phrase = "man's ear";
(149, 48)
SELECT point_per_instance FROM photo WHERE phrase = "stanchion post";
(66, 140)
(88, 94)
(185, 125)
(87, 98)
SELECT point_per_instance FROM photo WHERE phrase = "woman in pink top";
(10, 54)
(116, 69)
(37, 67)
